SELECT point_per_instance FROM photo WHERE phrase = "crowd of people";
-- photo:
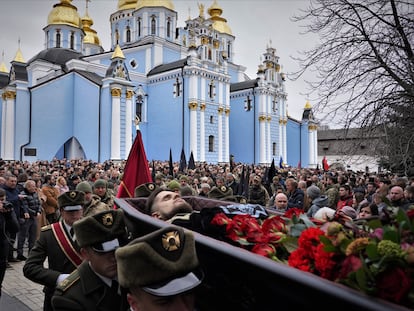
(64, 212)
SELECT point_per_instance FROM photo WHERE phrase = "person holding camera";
(8, 224)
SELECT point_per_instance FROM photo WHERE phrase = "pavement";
(19, 293)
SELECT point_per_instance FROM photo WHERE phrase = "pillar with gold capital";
(8, 124)
(116, 124)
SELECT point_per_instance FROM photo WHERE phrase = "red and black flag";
(136, 171)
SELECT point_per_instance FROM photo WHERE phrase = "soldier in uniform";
(93, 202)
(56, 243)
(160, 270)
(94, 285)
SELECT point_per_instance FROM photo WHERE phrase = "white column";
(116, 124)
(268, 140)
(193, 128)
(9, 124)
(129, 119)
(262, 128)
(192, 105)
(220, 134)
(202, 156)
(226, 102)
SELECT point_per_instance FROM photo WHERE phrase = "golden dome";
(3, 68)
(219, 23)
(19, 57)
(91, 35)
(117, 53)
(308, 105)
(154, 3)
(64, 13)
(127, 4)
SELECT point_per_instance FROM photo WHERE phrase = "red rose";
(265, 250)
(350, 264)
(220, 219)
(274, 224)
(393, 284)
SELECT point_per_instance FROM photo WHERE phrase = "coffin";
(236, 279)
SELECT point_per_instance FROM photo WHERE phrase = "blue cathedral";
(75, 100)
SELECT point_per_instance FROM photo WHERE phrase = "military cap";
(162, 263)
(159, 176)
(100, 183)
(71, 200)
(104, 231)
(173, 185)
(220, 192)
(183, 177)
(144, 190)
(84, 186)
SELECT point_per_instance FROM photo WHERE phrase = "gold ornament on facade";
(269, 119)
(202, 106)
(282, 121)
(192, 105)
(220, 110)
(116, 92)
(262, 118)
(216, 44)
(9, 95)
(129, 94)
(312, 127)
(204, 40)
(227, 111)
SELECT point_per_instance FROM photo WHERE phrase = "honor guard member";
(57, 244)
(160, 270)
(94, 285)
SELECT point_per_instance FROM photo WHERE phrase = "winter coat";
(317, 203)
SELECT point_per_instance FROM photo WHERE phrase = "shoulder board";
(69, 281)
(45, 228)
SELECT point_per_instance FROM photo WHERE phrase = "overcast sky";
(254, 23)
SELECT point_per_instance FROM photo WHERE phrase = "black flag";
(183, 162)
(191, 163)
(171, 166)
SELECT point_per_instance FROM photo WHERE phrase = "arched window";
(153, 25)
(58, 39)
(139, 27)
(168, 27)
(211, 119)
(273, 149)
(128, 34)
(72, 40)
(228, 50)
(138, 106)
(211, 143)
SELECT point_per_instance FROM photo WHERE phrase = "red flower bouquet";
(375, 257)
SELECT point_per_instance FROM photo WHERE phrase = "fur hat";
(100, 183)
(220, 192)
(145, 190)
(104, 231)
(84, 186)
(313, 192)
(71, 200)
(162, 263)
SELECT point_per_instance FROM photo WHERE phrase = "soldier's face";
(102, 263)
(167, 204)
(70, 217)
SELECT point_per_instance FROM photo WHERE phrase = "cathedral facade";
(180, 84)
